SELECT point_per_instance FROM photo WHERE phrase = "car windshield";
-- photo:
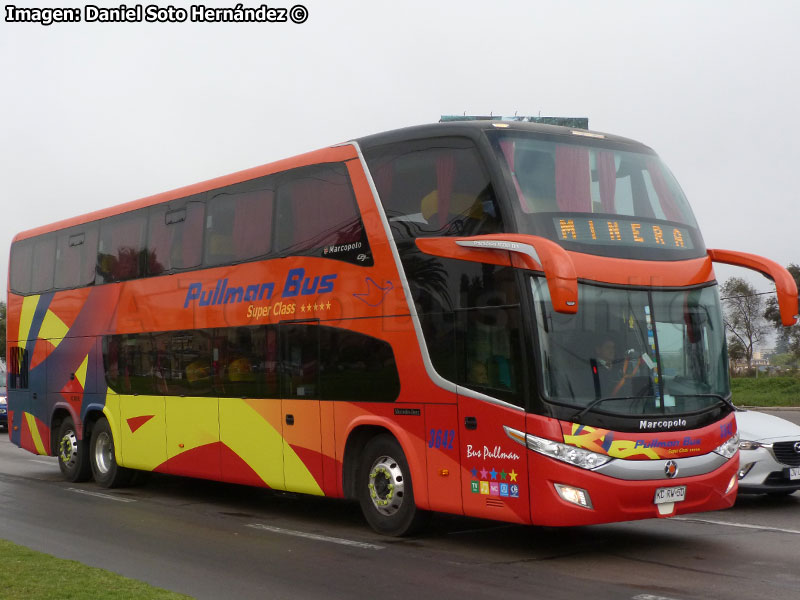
(633, 352)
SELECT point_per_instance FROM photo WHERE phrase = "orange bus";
(504, 320)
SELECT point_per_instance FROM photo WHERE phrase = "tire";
(73, 454)
(384, 488)
(107, 473)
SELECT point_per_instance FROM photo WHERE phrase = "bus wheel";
(73, 455)
(385, 492)
(103, 459)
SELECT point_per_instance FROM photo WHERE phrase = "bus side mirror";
(536, 253)
(785, 286)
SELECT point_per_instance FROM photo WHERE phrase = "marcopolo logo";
(296, 284)
(666, 424)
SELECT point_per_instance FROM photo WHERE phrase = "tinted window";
(489, 351)
(470, 318)
(356, 367)
(21, 267)
(76, 253)
(121, 252)
(184, 361)
(44, 253)
(175, 236)
(17, 368)
(318, 215)
(239, 222)
(434, 187)
(129, 362)
(300, 360)
(247, 362)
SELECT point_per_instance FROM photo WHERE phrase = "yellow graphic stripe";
(26, 319)
(53, 328)
(627, 448)
(80, 374)
(34, 429)
(302, 479)
(256, 442)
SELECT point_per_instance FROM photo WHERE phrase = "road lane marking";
(740, 525)
(313, 536)
(49, 463)
(99, 495)
(650, 597)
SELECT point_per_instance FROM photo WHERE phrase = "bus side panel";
(250, 431)
(142, 432)
(404, 421)
(494, 467)
(444, 469)
(331, 469)
(302, 447)
(193, 447)
(35, 436)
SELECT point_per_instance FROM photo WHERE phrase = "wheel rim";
(103, 452)
(386, 485)
(68, 449)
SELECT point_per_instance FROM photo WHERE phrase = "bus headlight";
(585, 459)
(729, 448)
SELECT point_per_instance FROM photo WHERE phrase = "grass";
(26, 574)
(766, 391)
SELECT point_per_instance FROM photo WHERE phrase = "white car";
(769, 454)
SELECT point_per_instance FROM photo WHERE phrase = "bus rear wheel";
(384, 488)
(107, 473)
(73, 455)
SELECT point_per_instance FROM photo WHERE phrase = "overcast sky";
(95, 114)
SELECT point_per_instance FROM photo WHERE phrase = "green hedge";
(766, 391)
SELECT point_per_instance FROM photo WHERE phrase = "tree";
(744, 320)
(788, 337)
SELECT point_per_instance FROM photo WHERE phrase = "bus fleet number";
(441, 438)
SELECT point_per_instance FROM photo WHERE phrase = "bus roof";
(474, 128)
(470, 129)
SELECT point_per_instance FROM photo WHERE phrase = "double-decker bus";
(503, 320)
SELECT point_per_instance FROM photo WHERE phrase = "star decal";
(513, 475)
(474, 472)
(503, 475)
(493, 473)
(484, 473)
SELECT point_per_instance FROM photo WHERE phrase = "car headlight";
(585, 459)
(750, 445)
(728, 448)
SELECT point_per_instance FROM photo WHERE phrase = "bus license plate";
(670, 494)
(794, 473)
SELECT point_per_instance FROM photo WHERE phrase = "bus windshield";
(598, 199)
(633, 352)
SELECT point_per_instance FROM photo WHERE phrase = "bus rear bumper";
(597, 498)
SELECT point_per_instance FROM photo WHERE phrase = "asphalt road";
(213, 540)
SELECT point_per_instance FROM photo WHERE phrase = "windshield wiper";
(594, 403)
(722, 399)
(597, 401)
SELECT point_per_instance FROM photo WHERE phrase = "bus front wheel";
(73, 455)
(107, 473)
(385, 492)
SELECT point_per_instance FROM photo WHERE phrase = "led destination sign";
(622, 232)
